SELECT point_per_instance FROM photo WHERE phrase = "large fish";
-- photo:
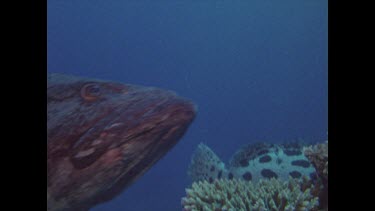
(252, 162)
(102, 136)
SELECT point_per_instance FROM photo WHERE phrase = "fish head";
(102, 136)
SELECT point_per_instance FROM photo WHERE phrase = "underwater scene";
(192, 105)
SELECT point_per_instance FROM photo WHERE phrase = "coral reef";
(318, 156)
(240, 195)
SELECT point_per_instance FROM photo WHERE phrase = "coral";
(240, 195)
(318, 156)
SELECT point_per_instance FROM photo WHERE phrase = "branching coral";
(240, 195)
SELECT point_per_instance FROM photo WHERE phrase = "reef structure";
(318, 156)
(240, 195)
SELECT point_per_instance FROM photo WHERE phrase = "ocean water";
(257, 69)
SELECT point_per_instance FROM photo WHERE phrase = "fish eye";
(90, 91)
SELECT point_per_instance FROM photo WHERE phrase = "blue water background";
(257, 69)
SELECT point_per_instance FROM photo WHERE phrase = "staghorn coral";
(240, 195)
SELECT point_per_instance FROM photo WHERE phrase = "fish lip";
(176, 112)
(149, 156)
(154, 151)
(180, 115)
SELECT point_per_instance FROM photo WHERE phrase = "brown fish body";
(102, 136)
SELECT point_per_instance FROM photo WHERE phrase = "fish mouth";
(161, 129)
(133, 141)
(127, 142)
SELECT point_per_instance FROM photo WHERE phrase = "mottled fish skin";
(102, 136)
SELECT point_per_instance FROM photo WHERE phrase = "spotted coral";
(240, 195)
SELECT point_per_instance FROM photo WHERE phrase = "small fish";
(103, 135)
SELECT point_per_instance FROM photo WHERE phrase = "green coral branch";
(240, 195)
